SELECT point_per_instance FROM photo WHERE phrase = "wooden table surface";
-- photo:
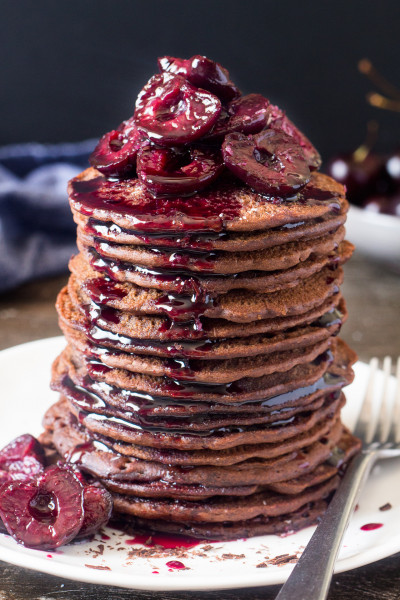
(373, 329)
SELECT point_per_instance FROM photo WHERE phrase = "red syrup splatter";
(166, 541)
(49, 556)
(175, 564)
(155, 572)
(371, 526)
(105, 537)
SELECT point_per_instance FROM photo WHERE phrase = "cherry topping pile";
(191, 122)
(45, 507)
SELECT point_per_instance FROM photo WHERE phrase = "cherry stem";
(367, 68)
(379, 101)
(362, 151)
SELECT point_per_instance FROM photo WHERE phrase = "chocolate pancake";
(247, 389)
(217, 262)
(159, 327)
(305, 516)
(228, 242)
(58, 417)
(186, 281)
(227, 205)
(218, 438)
(240, 306)
(219, 509)
(116, 469)
(79, 329)
(203, 371)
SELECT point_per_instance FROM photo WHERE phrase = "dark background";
(71, 69)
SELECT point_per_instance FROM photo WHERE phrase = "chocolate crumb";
(386, 506)
(262, 565)
(229, 556)
(98, 567)
(283, 559)
(207, 548)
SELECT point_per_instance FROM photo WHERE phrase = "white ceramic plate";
(375, 235)
(25, 395)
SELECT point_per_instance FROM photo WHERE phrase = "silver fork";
(379, 431)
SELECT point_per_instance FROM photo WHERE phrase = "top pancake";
(228, 205)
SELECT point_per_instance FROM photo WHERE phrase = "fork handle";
(311, 577)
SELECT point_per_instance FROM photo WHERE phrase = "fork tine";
(384, 418)
(365, 425)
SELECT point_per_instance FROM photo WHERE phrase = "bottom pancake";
(307, 515)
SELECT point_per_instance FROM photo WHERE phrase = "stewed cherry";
(115, 154)
(172, 112)
(248, 114)
(174, 171)
(46, 512)
(270, 162)
(21, 459)
(97, 508)
(202, 72)
(280, 122)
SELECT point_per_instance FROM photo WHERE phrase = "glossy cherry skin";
(280, 122)
(172, 112)
(248, 114)
(45, 513)
(202, 72)
(270, 162)
(97, 506)
(168, 172)
(115, 154)
(21, 459)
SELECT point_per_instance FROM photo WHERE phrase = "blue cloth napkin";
(37, 233)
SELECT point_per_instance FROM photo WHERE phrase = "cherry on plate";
(45, 513)
(115, 154)
(202, 72)
(270, 162)
(167, 171)
(173, 112)
(21, 459)
(97, 507)
(280, 122)
(248, 114)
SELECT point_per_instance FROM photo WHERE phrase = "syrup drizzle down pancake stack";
(202, 378)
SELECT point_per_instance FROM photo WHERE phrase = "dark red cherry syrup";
(208, 212)
(371, 526)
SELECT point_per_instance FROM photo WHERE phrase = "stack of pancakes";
(202, 380)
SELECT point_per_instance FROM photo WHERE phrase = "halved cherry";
(248, 114)
(280, 122)
(168, 171)
(173, 112)
(270, 162)
(203, 73)
(115, 154)
(21, 459)
(45, 513)
(97, 507)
